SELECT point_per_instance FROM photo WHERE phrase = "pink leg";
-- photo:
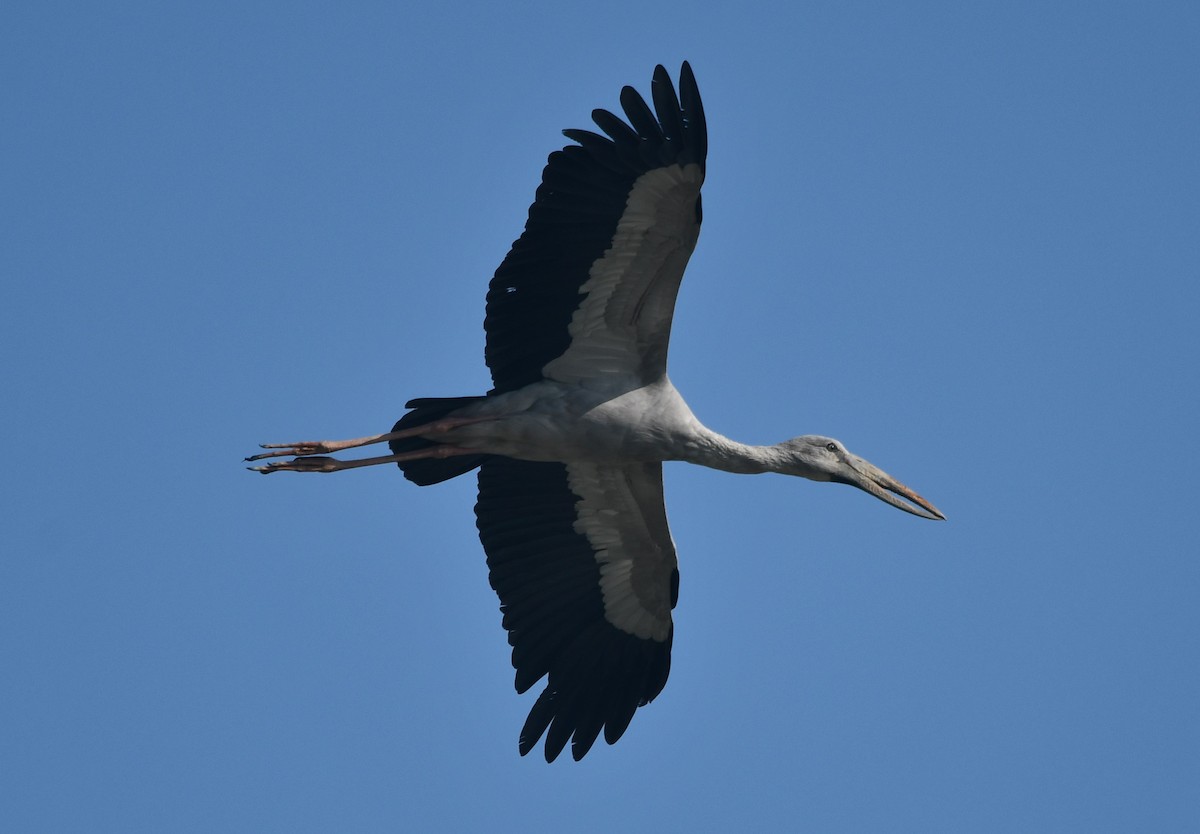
(324, 464)
(323, 447)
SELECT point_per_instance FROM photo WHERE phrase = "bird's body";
(553, 421)
(570, 441)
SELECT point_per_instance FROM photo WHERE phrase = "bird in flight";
(569, 443)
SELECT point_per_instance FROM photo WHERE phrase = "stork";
(570, 441)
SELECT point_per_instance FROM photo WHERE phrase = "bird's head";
(825, 459)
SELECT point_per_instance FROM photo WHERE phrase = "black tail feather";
(431, 470)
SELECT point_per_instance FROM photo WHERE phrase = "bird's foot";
(300, 449)
(300, 464)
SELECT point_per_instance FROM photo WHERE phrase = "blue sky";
(962, 238)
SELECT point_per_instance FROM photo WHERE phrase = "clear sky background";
(964, 238)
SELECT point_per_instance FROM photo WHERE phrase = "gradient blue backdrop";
(962, 237)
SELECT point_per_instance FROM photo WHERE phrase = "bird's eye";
(831, 447)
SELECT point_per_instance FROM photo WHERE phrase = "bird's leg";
(311, 463)
(316, 447)
(305, 448)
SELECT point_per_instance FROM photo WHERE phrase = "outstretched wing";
(583, 562)
(589, 288)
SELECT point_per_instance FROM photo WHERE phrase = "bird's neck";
(708, 448)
